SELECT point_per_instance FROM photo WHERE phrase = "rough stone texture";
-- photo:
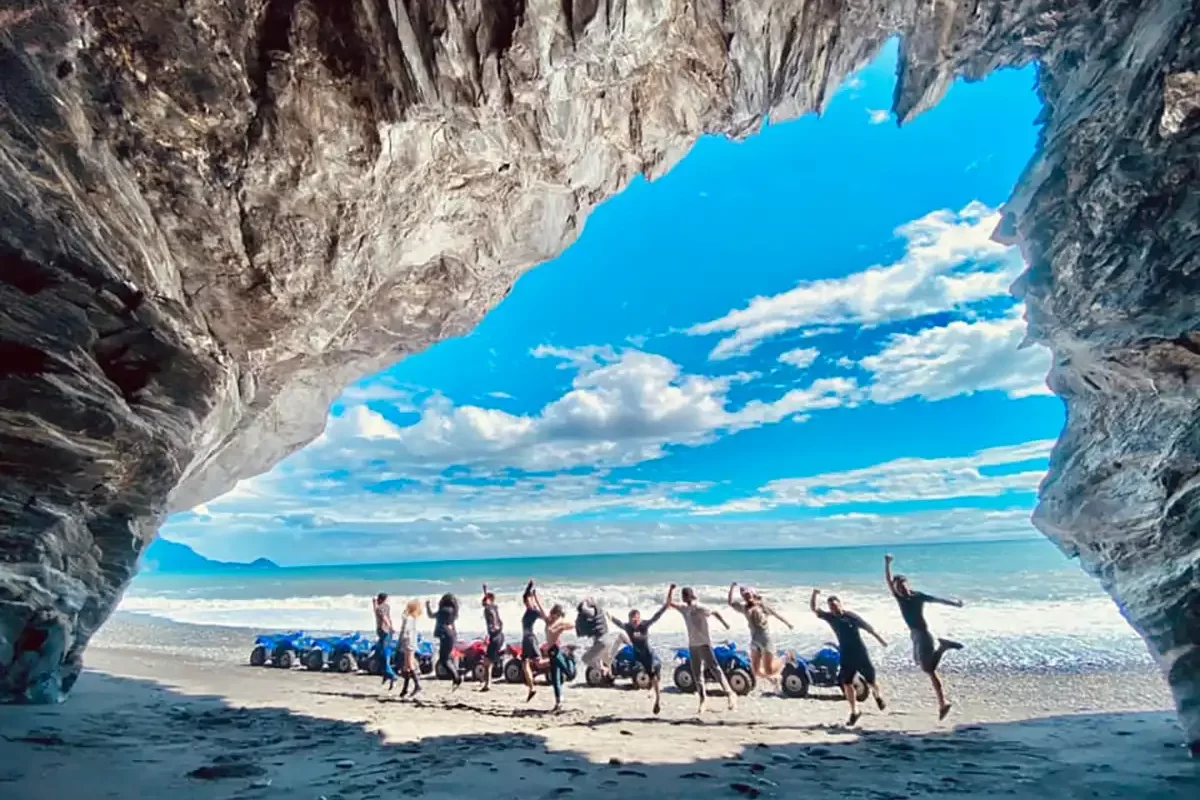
(217, 213)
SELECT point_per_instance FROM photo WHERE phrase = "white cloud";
(902, 480)
(622, 409)
(878, 116)
(800, 358)
(500, 395)
(845, 362)
(959, 358)
(950, 262)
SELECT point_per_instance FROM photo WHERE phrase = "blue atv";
(340, 653)
(279, 649)
(733, 662)
(819, 670)
(425, 658)
(625, 665)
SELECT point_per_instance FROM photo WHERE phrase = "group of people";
(593, 622)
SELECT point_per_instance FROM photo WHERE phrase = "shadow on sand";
(134, 738)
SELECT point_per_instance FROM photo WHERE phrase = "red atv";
(470, 658)
(513, 672)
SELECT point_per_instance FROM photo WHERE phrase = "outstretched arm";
(777, 616)
(812, 603)
(485, 591)
(931, 599)
(866, 626)
(671, 597)
(732, 586)
(887, 572)
(429, 609)
(657, 615)
(717, 616)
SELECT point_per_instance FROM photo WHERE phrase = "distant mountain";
(166, 556)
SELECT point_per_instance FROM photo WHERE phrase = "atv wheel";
(373, 664)
(258, 656)
(425, 665)
(740, 681)
(314, 660)
(480, 672)
(442, 673)
(861, 690)
(513, 672)
(684, 681)
(594, 676)
(794, 682)
(642, 679)
(345, 663)
(285, 659)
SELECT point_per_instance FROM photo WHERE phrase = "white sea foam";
(1077, 619)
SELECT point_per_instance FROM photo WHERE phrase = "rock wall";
(217, 213)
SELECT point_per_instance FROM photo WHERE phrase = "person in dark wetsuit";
(444, 628)
(495, 636)
(530, 651)
(638, 631)
(855, 660)
(927, 650)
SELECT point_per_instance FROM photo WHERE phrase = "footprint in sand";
(573, 771)
(745, 789)
(632, 773)
(697, 775)
(533, 762)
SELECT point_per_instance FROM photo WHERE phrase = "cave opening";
(762, 350)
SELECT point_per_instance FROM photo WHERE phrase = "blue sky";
(802, 339)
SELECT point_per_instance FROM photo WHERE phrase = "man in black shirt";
(638, 631)
(926, 652)
(855, 660)
(495, 636)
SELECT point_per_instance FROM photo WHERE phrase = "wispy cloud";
(800, 358)
(957, 359)
(901, 481)
(949, 262)
(878, 116)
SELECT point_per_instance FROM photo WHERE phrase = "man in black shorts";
(855, 660)
(638, 631)
(927, 651)
(495, 636)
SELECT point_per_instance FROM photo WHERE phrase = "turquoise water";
(1026, 604)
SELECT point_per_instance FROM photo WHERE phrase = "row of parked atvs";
(355, 652)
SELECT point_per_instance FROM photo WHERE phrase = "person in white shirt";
(700, 649)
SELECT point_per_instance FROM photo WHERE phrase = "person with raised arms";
(855, 660)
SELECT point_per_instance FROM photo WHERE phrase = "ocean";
(1028, 608)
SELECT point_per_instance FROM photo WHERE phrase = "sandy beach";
(149, 721)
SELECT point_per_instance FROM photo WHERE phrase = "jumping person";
(561, 670)
(855, 660)
(758, 614)
(638, 631)
(444, 628)
(384, 645)
(529, 642)
(700, 648)
(926, 653)
(408, 648)
(591, 621)
(495, 637)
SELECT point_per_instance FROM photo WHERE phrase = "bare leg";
(940, 691)
(656, 684)
(772, 668)
(487, 676)
(848, 691)
(879, 701)
(756, 662)
(527, 670)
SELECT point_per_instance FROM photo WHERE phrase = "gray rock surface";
(217, 213)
